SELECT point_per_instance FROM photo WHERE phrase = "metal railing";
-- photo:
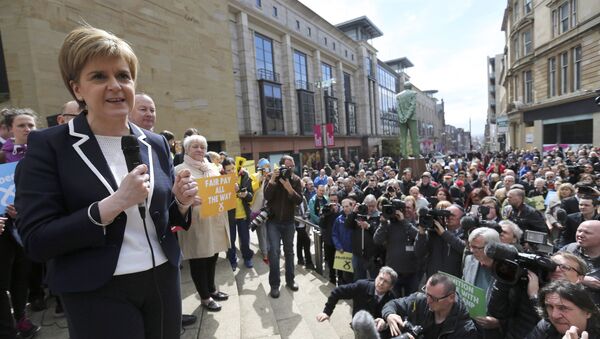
(318, 244)
(264, 74)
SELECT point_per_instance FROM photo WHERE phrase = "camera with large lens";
(285, 173)
(511, 266)
(326, 209)
(362, 212)
(389, 210)
(260, 219)
(414, 330)
(427, 216)
(469, 223)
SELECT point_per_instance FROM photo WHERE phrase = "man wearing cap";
(425, 187)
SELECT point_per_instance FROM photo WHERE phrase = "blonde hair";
(85, 43)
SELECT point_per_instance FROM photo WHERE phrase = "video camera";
(414, 330)
(326, 209)
(427, 216)
(470, 222)
(389, 210)
(510, 266)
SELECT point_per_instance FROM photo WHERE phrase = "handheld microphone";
(131, 150)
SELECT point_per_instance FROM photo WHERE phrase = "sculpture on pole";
(406, 102)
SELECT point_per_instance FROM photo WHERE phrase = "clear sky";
(447, 41)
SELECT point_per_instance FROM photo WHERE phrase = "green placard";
(472, 296)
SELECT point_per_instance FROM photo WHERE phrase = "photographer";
(588, 210)
(329, 214)
(568, 310)
(443, 246)
(373, 187)
(283, 193)
(398, 236)
(363, 222)
(525, 216)
(437, 310)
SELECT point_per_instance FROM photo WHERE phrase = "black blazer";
(362, 293)
(63, 173)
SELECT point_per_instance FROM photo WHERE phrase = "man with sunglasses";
(69, 111)
(437, 308)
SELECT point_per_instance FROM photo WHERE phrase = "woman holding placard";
(208, 235)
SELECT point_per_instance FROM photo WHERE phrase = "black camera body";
(414, 330)
(510, 266)
(326, 209)
(427, 216)
(285, 173)
(389, 210)
(469, 223)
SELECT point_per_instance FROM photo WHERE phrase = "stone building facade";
(553, 60)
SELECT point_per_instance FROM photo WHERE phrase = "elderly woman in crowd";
(208, 235)
(511, 233)
(565, 190)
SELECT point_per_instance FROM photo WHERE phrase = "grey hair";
(490, 235)
(370, 199)
(391, 272)
(187, 142)
(517, 231)
(539, 180)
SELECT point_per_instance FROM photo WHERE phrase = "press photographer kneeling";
(436, 312)
(398, 236)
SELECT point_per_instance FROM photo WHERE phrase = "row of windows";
(560, 79)
(524, 49)
(271, 97)
(275, 14)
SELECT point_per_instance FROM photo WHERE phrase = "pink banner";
(318, 134)
(329, 134)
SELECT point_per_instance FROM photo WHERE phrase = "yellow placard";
(250, 167)
(217, 194)
(239, 163)
(343, 261)
(537, 202)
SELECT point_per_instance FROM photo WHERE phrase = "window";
(333, 46)
(551, 77)
(300, 70)
(516, 89)
(564, 17)
(264, 57)
(259, 3)
(346, 53)
(4, 90)
(577, 68)
(528, 86)
(331, 113)
(327, 74)
(308, 30)
(527, 45)
(516, 11)
(352, 56)
(368, 66)
(272, 108)
(527, 7)
(387, 101)
(348, 87)
(306, 108)
(564, 73)
(325, 40)
(516, 48)
(274, 11)
(298, 24)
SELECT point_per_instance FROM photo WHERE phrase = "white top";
(135, 255)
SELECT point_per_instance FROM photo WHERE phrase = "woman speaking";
(102, 216)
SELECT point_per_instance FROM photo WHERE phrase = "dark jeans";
(406, 284)
(277, 233)
(303, 246)
(329, 258)
(138, 305)
(241, 225)
(36, 281)
(363, 268)
(202, 271)
(14, 272)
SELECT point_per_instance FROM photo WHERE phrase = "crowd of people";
(524, 226)
(105, 229)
